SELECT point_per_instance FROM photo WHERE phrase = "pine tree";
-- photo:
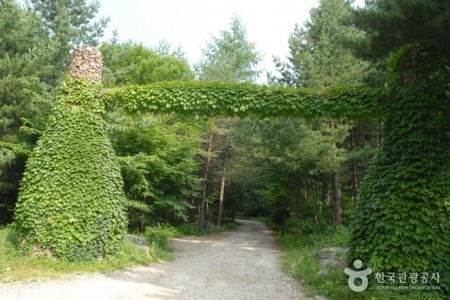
(391, 24)
(230, 57)
(69, 24)
(24, 102)
(319, 58)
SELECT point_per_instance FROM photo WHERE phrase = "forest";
(369, 159)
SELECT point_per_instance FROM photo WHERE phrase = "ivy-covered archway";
(71, 202)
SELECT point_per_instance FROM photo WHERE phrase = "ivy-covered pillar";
(71, 203)
(402, 221)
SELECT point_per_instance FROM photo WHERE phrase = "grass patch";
(158, 238)
(299, 261)
(14, 266)
(17, 267)
(227, 225)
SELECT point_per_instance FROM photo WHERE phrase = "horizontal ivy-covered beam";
(228, 99)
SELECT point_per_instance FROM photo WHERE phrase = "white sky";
(190, 24)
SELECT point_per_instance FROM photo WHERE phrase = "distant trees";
(320, 58)
(156, 152)
(67, 24)
(230, 57)
(287, 162)
(133, 63)
(319, 55)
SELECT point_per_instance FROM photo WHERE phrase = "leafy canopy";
(132, 63)
(390, 24)
(233, 99)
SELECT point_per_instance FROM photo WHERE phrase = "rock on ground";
(330, 257)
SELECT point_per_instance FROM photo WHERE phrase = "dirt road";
(240, 264)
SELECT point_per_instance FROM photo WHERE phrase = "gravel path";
(240, 264)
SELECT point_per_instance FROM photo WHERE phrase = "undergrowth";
(300, 262)
(14, 266)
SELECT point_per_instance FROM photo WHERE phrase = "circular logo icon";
(361, 274)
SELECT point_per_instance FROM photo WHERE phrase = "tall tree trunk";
(324, 199)
(315, 188)
(336, 200)
(378, 134)
(306, 197)
(201, 224)
(355, 181)
(222, 190)
(354, 167)
(222, 184)
(142, 224)
(192, 211)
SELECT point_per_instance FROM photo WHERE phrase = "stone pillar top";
(87, 62)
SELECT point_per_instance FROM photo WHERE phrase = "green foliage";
(36, 40)
(318, 56)
(156, 155)
(24, 99)
(285, 161)
(300, 261)
(158, 238)
(230, 57)
(71, 202)
(68, 24)
(188, 229)
(294, 145)
(156, 152)
(16, 267)
(234, 99)
(390, 24)
(132, 63)
(402, 220)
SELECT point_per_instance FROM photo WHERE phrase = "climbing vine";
(210, 99)
(71, 203)
(402, 221)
